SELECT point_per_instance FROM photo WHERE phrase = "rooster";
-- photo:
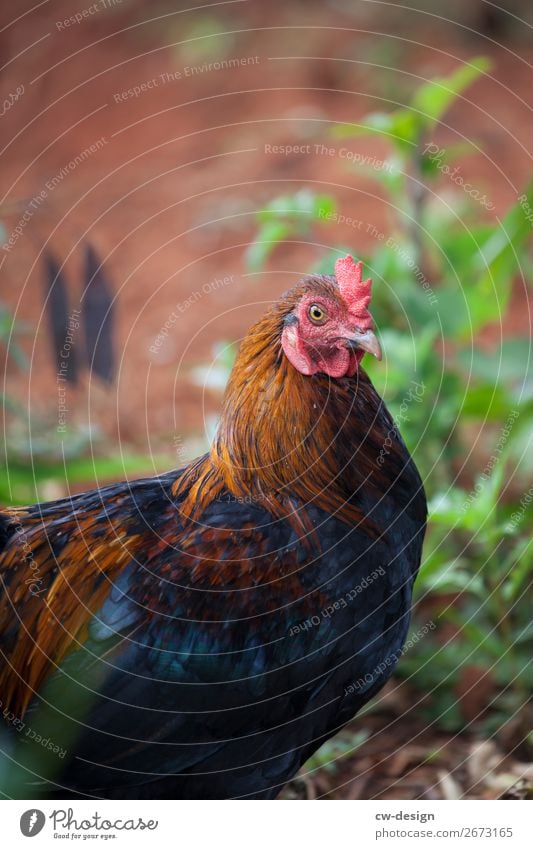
(201, 633)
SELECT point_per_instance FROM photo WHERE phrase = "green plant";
(444, 271)
(477, 575)
(37, 465)
(286, 217)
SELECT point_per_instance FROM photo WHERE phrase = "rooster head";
(329, 328)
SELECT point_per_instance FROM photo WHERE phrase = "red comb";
(354, 290)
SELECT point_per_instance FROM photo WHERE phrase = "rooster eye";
(317, 314)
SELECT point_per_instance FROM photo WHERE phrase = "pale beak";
(364, 341)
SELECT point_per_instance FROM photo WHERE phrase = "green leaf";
(511, 363)
(380, 122)
(485, 401)
(326, 262)
(268, 237)
(331, 752)
(304, 204)
(402, 127)
(429, 103)
(21, 483)
(474, 511)
(477, 636)
(456, 580)
(431, 163)
(521, 448)
(392, 174)
(495, 264)
(522, 572)
(460, 246)
(285, 217)
(479, 272)
(435, 97)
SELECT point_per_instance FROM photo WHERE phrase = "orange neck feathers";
(284, 436)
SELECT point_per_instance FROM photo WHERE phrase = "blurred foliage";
(478, 570)
(206, 39)
(40, 464)
(286, 217)
(443, 274)
(332, 754)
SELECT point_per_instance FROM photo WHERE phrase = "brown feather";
(284, 435)
(285, 441)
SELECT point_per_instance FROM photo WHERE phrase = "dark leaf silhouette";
(62, 325)
(97, 313)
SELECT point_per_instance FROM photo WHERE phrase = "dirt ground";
(168, 194)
